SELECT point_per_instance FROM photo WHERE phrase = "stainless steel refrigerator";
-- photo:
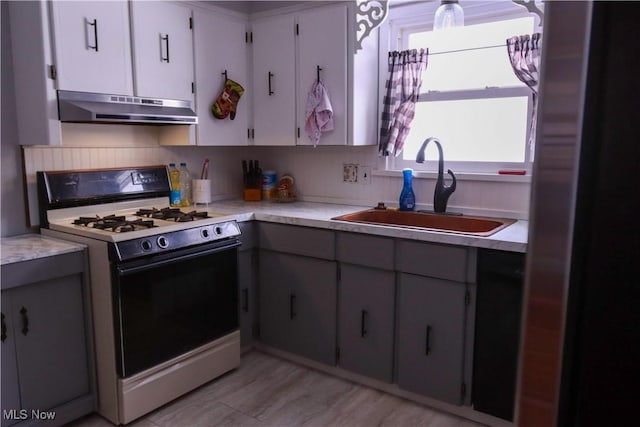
(580, 342)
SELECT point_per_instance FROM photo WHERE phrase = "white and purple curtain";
(402, 89)
(524, 54)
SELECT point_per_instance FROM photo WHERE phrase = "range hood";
(83, 107)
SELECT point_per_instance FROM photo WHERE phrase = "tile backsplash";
(317, 171)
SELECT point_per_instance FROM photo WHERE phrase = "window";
(470, 98)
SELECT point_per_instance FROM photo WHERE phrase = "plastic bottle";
(174, 178)
(185, 185)
(407, 197)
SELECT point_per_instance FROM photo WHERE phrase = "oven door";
(167, 305)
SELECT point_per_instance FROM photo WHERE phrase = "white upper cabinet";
(274, 77)
(286, 63)
(162, 48)
(322, 52)
(92, 46)
(221, 50)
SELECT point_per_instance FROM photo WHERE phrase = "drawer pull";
(271, 92)
(4, 329)
(25, 321)
(93, 24)
(164, 39)
(292, 303)
(427, 349)
(363, 323)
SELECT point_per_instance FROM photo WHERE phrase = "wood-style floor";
(269, 391)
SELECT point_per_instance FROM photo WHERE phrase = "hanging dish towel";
(319, 113)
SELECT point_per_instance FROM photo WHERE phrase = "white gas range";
(163, 282)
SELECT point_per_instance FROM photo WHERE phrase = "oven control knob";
(146, 245)
(163, 242)
(218, 230)
(205, 233)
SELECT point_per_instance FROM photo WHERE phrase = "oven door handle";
(124, 270)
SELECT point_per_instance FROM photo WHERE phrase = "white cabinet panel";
(274, 81)
(322, 42)
(162, 50)
(220, 46)
(92, 46)
(321, 37)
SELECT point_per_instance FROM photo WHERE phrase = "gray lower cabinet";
(298, 304)
(247, 293)
(10, 384)
(247, 285)
(430, 336)
(366, 301)
(46, 367)
(403, 310)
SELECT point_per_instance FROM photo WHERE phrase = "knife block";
(252, 194)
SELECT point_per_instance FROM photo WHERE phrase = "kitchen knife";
(245, 173)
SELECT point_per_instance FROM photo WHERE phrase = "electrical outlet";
(349, 172)
(364, 174)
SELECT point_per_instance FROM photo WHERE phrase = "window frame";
(406, 19)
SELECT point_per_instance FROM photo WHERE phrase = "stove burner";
(114, 223)
(172, 214)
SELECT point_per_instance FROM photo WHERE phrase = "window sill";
(460, 176)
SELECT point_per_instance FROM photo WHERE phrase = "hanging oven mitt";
(227, 102)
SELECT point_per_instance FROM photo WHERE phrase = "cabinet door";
(497, 331)
(247, 296)
(430, 336)
(274, 81)
(50, 342)
(10, 391)
(322, 42)
(298, 305)
(92, 46)
(220, 47)
(365, 331)
(162, 50)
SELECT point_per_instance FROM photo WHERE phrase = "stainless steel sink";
(474, 225)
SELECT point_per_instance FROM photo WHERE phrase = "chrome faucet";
(442, 192)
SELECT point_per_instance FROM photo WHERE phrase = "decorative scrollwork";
(370, 14)
(532, 7)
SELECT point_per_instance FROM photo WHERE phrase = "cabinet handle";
(245, 299)
(427, 349)
(25, 321)
(4, 329)
(318, 69)
(164, 39)
(363, 321)
(292, 303)
(93, 24)
(270, 91)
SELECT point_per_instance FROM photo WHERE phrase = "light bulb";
(448, 15)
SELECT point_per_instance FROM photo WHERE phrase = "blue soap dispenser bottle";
(407, 197)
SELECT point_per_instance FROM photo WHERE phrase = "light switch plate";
(364, 174)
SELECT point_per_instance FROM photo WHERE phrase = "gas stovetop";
(124, 223)
(121, 221)
(128, 207)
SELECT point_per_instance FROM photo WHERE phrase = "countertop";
(32, 246)
(311, 214)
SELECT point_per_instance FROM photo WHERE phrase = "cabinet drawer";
(433, 260)
(298, 240)
(36, 270)
(361, 249)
